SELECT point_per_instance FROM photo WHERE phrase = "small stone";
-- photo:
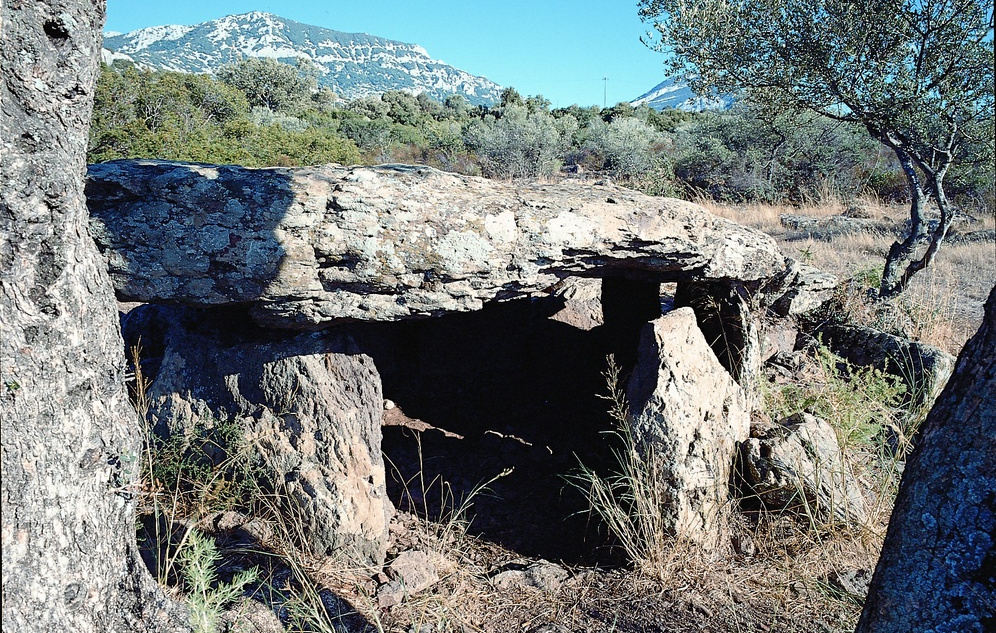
(542, 575)
(389, 404)
(798, 466)
(412, 571)
(743, 545)
(390, 594)
(852, 582)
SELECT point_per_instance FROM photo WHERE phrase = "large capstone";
(304, 247)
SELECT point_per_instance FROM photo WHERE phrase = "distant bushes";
(747, 154)
(519, 143)
(262, 112)
(179, 116)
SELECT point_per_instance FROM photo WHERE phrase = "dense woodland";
(260, 112)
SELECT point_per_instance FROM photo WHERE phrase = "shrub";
(859, 402)
(625, 145)
(520, 144)
(747, 154)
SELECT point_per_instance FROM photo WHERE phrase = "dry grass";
(783, 587)
(943, 305)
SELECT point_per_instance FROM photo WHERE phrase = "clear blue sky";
(558, 48)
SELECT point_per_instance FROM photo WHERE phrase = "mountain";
(675, 93)
(351, 64)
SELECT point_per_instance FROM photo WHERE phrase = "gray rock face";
(308, 246)
(726, 314)
(311, 404)
(836, 225)
(923, 368)
(70, 442)
(797, 465)
(582, 303)
(808, 288)
(689, 412)
(936, 571)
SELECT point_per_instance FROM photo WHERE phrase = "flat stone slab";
(304, 247)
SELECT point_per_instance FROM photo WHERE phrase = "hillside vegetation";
(260, 112)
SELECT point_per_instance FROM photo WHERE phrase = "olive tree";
(626, 144)
(917, 74)
(271, 84)
(520, 144)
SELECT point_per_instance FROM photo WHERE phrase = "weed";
(868, 275)
(865, 407)
(205, 596)
(211, 465)
(857, 401)
(633, 500)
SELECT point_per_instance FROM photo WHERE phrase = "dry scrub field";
(942, 307)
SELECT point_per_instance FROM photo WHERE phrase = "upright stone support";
(688, 413)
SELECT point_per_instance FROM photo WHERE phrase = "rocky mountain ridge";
(675, 93)
(351, 64)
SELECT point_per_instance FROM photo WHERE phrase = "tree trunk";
(902, 262)
(937, 571)
(71, 441)
(896, 275)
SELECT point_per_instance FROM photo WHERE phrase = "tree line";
(261, 112)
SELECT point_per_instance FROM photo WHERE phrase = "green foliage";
(178, 116)
(751, 153)
(625, 144)
(748, 153)
(205, 596)
(857, 401)
(520, 144)
(271, 84)
(510, 97)
(213, 465)
(916, 75)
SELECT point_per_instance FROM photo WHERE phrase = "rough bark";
(902, 262)
(70, 439)
(937, 571)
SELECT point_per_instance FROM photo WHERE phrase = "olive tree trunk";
(937, 571)
(903, 260)
(71, 441)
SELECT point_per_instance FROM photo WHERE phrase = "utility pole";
(605, 91)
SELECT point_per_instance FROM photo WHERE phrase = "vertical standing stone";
(71, 442)
(689, 413)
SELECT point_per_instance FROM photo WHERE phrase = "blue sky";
(558, 48)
